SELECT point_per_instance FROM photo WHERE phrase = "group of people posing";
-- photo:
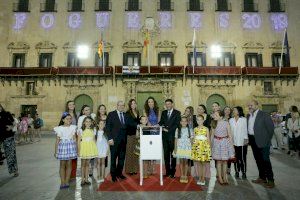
(193, 138)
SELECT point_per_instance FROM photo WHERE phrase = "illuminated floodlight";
(216, 51)
(82, 51)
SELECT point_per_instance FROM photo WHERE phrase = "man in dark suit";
(261, 130)
(170, 119)
(115, 129)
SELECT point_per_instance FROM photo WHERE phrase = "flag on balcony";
(146, 43)
(131, 69)
(100, 47)
(285, 45)
(194, 50)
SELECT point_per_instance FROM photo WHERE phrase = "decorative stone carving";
(198, 45)
(45, 45)
(225, 90)
(18, 46)
(276, 45)
(253, 45)
(166, 44)
(149, 85)
(132, 45)
(69, 45)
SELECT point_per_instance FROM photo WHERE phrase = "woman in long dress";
(132, 160)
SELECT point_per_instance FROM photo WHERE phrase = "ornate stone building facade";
(39, 69)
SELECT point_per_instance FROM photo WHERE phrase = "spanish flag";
(100, 48)
(146, 43)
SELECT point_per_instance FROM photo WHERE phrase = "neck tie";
(169, 114)
(122, 118)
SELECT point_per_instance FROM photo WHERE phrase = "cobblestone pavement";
(39, 179)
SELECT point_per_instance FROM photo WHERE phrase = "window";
(21, 6)
(76, 6)
(250, 6)
(200, 59)
(227, 59)
(253, 60)
(30, 88)
(165, 5)
(48, 6)
(165, 59)
(223, 5)
(45, 60)
(103, 5)
(99, 61)
(276, 6)
(132, 59)
(195, 5)
(268, 87)
(133, 5)
(73, 61)
(18, 60)
(276, 59)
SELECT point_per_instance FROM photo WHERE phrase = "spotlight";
(82, 52)
(216, 51)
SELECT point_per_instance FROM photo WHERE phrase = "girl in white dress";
(102, 146)
(65, 148)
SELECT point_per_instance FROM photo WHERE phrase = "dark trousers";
(262, 158)
(241, 158)
(117, 152)
(168, 145)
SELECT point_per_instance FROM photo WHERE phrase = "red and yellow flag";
(146, 43)
(100, 48)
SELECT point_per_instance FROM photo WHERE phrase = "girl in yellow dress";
(87, 148)
(201, 152)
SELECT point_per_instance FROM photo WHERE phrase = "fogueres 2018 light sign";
(249, 21)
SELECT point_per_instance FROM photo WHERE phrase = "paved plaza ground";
(39, 179)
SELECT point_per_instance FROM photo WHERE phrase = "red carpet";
(132, 183)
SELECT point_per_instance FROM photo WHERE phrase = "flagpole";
(194, 46)
(282, 48)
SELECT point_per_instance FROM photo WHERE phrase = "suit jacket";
(171, 124)
(263, 129)
(114, 127)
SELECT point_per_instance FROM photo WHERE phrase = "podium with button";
(151, 148)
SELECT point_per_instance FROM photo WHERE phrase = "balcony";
(223, 8)
(277, 7)
(62, 71)
(154, 71)
(214, 71)
(195, 7)
(44, 7)
(165, 6)
(103, 6)
(21, 7)
(250, 7)
(76, 7)
(270, 71)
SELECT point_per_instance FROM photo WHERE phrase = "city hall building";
(192, 51)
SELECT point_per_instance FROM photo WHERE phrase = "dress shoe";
(237, 175)
(114, 179)
(270, 184)
(244, 176)
(166, 175)
(122, 177)
(172, 176)
(259, 181)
